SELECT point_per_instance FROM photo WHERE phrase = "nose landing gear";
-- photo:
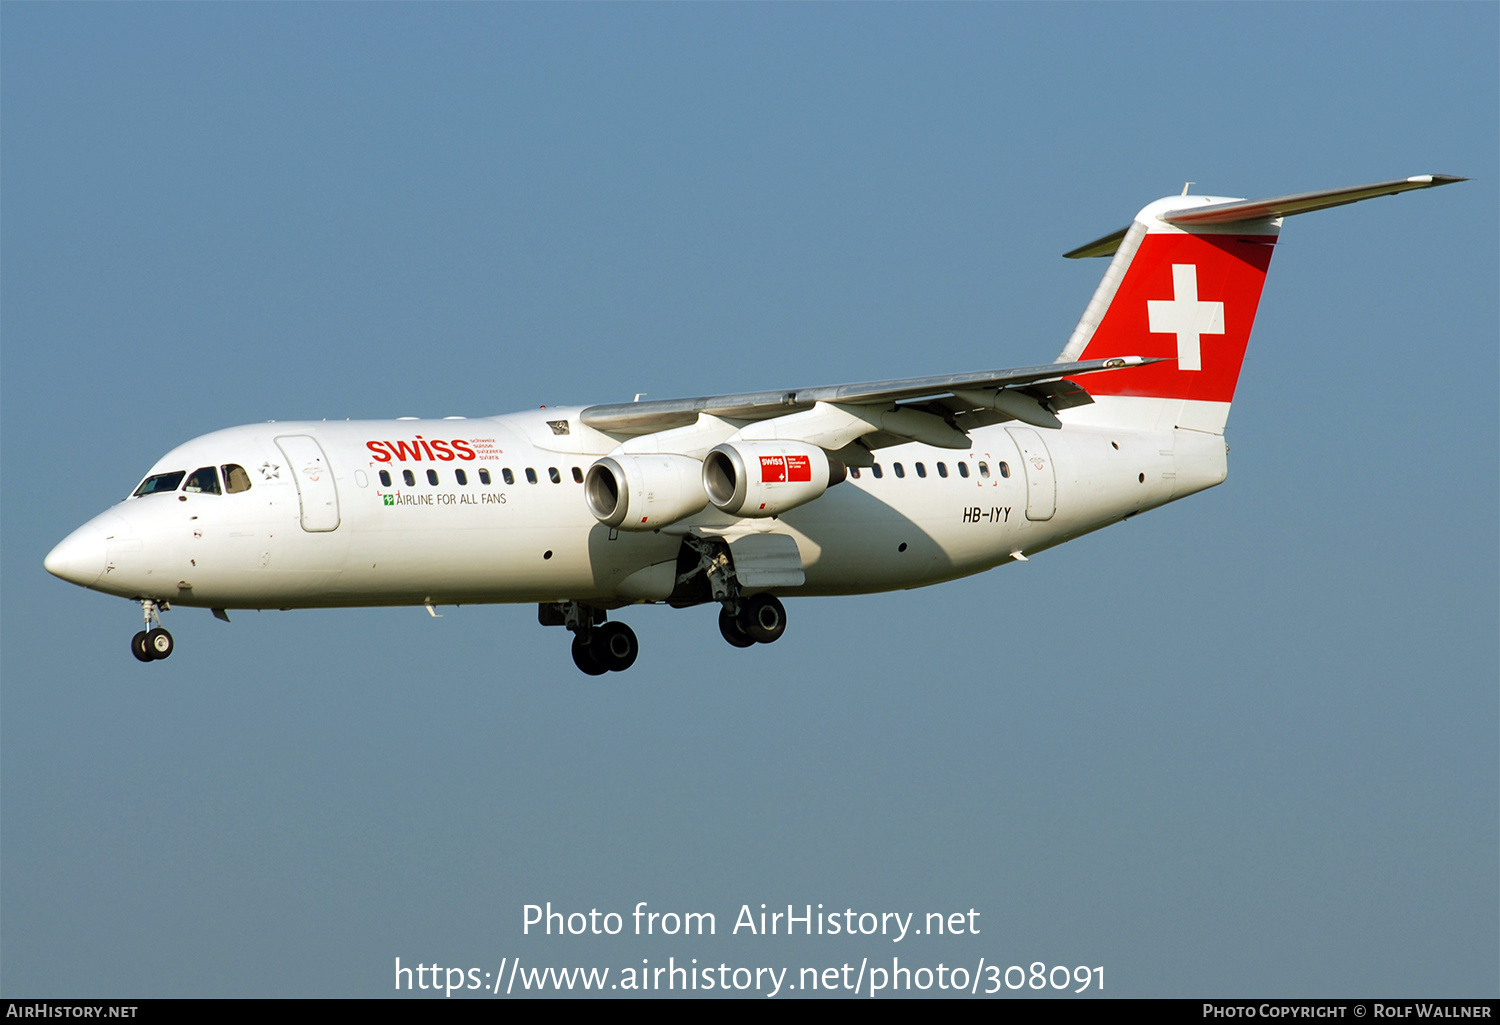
(152, 643)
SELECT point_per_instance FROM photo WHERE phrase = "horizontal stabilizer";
(1303, 202)
(1105, 246)
(1239, 210)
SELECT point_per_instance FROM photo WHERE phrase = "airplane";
(735, 499)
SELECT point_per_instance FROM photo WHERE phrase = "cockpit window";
(235, 478)
(204, 480)
(161, 482)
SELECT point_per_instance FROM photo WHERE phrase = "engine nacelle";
(766, 478)
(644, 492)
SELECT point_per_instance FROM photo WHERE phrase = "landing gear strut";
(151, 643)
(598, 647)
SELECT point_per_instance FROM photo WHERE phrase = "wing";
(937, 410)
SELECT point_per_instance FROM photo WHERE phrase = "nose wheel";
(151, 643)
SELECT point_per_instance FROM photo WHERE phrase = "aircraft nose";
(79, 557)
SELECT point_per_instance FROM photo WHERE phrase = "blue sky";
(1245, 745)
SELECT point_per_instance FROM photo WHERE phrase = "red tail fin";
(1187, 295)
(1184, 286)
(1190, 298)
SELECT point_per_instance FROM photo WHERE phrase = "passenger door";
(316, 490)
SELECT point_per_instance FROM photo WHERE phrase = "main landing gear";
(758, 619)
(612, 649)
(761, 620)
(598, 647)
(151, 643)
(705, 573)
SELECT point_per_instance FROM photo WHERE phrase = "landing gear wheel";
(158, 643)
(138, 648)
(763, 618)
(730, 628)
(583, 658)
(615, 646)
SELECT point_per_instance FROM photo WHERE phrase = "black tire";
(138, 648)
(615, 646)
(763, 618)
(731, 630)
(159, 643)
(583, 658)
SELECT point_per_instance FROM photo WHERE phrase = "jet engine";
(644, 492)
(766, 478)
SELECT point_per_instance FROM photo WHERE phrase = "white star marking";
(1184, 316)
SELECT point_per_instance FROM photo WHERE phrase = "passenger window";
(235, 478)
(942, 469)
(876, 471)
(553, 475)
(385, 478)
(854, 472)
(484, 475)
(577, 475)
(984, 469)
(530, 475)
(963, 469)
(161, 482)
(921, 469)
(204, 480)
(900, 470)
(461, 477)
(1004, 469)
(432, 477)
(409, 477)
(509, 477)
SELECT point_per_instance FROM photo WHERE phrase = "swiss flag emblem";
(1188, 299)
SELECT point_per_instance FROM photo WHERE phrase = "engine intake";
(766, 478)
(644, 492)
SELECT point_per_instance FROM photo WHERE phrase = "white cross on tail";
(1184, 316)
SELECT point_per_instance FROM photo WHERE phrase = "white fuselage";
(338, 535)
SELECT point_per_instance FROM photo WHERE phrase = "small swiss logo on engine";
(785, 469)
